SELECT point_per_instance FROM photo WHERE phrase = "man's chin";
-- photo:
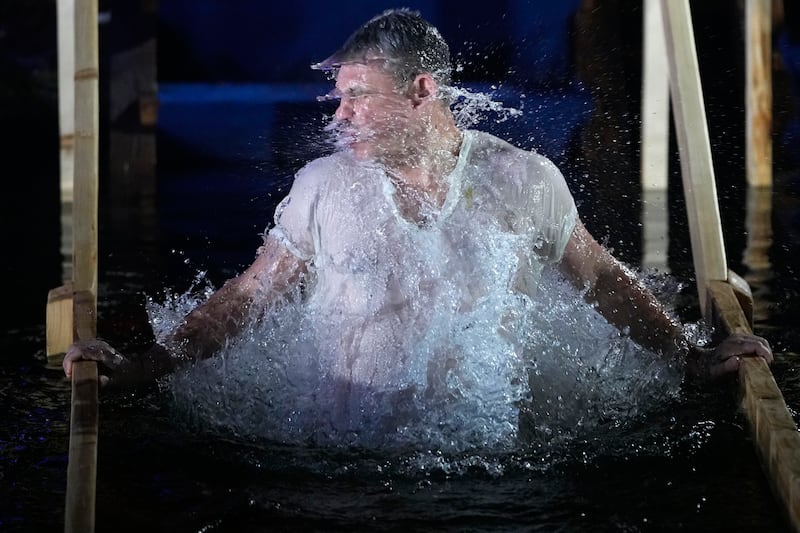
(361, 151)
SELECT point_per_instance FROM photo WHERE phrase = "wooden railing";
(722, 293)
(71, 308)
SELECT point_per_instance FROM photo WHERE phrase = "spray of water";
(470, 108)
(509, 371)
(574, 374)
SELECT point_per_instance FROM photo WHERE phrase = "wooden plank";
(86, 147)
(756, 256)
(59, 334)
(655, 101)
(758, 92)
(708, 251)
(758, 223)
(79, 513)
(654, 139)
(655, 230)
(785, 460)
(82, 463)
(59, 322)
(757, 385)
(725, 313)
(66, 94)
(84, 315)
(741, 289)
(771, 423)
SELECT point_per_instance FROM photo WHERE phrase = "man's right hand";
(94, 350)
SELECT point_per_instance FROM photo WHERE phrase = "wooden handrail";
(691, 128)
(79, 513)
(79, 516)
(774, 431)
(772, 426)
(84, 218)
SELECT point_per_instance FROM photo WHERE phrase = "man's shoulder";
(505, 155)
(326, 170)
(326, 164)
(487, 143)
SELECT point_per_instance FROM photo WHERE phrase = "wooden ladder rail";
(79, 512)
(721, 292)
(71, 308)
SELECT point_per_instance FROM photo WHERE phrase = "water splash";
(469, 107)
(166, 316)
(510, 371)
(473, 107)
(578, 374)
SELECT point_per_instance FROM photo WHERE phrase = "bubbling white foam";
(576, 372)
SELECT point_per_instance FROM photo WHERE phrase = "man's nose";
(345, 109)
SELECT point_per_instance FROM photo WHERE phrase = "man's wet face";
(373, 118)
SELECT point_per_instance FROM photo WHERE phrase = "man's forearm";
(204, 330)
(242, 299)
(619, 294)
(625, 302)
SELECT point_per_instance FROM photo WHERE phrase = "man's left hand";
(710, 364)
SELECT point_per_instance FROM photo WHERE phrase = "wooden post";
(655, 229)
(697, 172)
(85, 315)
(66, 93)
(654, 139)
(82, 463)
(655, 100)
(758, 223)
(59, 300)
(79, 513)
(66, 123)
(59, 320)
(758, 92)
(86, 148)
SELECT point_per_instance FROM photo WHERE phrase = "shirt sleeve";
(294, 216)
(551, 210)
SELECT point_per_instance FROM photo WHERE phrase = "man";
(413, 218)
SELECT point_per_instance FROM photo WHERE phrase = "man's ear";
(423, 88)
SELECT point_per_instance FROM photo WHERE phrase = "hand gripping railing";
(78, 321)
(722, 292)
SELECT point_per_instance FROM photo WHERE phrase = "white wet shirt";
(388, 294)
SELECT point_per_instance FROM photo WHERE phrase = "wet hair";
(407, 43)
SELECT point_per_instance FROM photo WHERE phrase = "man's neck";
(425, 171)
(421, 186)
